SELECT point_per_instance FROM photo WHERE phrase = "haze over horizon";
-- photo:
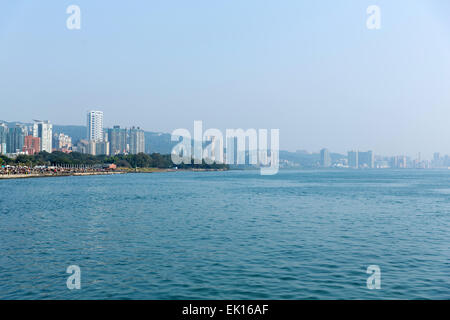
(311, 69)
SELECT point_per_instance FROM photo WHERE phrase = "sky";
(309, 68)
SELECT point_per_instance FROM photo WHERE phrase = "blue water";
(227, 235)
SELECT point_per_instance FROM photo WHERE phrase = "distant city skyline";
(138, 146)
(21, 138)
(311, 69)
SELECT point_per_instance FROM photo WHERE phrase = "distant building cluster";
(363, 160)
(23, 139)
(355, 159)
(358, 159)
(400, 162)
(111, 141)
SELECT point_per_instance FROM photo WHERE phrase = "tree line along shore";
(56, 163)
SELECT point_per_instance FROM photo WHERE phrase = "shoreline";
(156, 170)
(43, 175)
(120, 171)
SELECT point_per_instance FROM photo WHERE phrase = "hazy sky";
(310, 68)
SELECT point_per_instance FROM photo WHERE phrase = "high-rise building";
(399, 162)
(3, 138)
(325, 159)
(117, 138)
(15, 139)
(438, 162)
(136, 140)
(353, 159)
(366, 159)
(43, 130)
(32, 145)
(436, 156)
(95, 126)
(357, 159)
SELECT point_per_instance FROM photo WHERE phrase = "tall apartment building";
(97, 140)
(399, 162)
(43, 130)
(95, 126)
(136, 140)
(325, 159)
(366, 159)
(357, 159)
(3, 138)
(117, 138)
(15, 139)
(352, 159)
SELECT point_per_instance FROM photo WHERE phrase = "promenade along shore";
(43, 175)
(11, 172)
(21, 172)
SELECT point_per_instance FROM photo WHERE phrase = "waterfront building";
(325, 159)
(366, 159)
(3, 138)
(438, 162)
(15, 139)
(43, 130)
(381, 164)
(117, 138)
(136, 140)
(32, 145)
(95, 126)
(399, 162)
(446, 161)
(352, 159)
(357, 159)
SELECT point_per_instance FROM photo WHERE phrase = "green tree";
(123, 163)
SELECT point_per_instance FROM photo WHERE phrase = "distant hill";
(76, 132)
(13, 123)
(307, 160)
(158, 142)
